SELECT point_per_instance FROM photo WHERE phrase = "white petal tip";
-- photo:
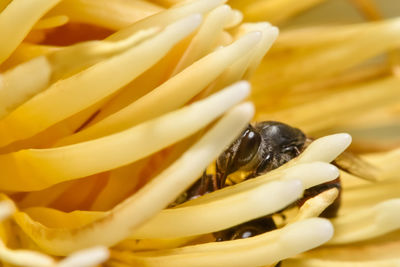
(312, 174)
(195, 19)
(307, 234)
(254, 36)
(240, 89)
(274, 31)
(87, 257)
(332, 172)
(247, 109)
(345, 139)
(244, 84)
(326, 148)
(226, 8)
(7, 208)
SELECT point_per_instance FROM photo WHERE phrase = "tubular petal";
(327, 263)
(114, 15)
(22, 15)
(154, 196)
(178, 90)
(86, 258)
(168, 16)
(367, 223)
(316, 205)
(251, 204)
(36, 114)
(39, 168)
(260, 250)
(22, 257)
(309, 174)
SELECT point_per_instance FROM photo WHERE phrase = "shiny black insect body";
(259, 149)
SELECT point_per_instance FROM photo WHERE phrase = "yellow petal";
(120, 222)
(39, 168)
(22, 16)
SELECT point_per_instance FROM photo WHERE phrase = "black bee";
(259, 149)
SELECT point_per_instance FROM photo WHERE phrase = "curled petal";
(40, 168)
(367, 223)
(260, 250)
(154, 196)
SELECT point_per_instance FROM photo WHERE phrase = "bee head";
(281, 142)
(240, 152)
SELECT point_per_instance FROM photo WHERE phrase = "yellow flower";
(109, 110)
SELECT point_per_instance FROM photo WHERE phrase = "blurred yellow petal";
(340, 106)
(178, 222)
(326, 263)
(367, 223)
(64, 94)
(86, 258)
(260, 250)
(275, 11)
(22, 16)
(24, 257)
(51, 22)
(114, 15)
(117, 224)
(316, 205)
(44, 167)
(179, 89)
(168, 16)
(110, 110)
(6, 209)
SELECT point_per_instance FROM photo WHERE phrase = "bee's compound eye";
(246, 232)
(248, 146)
(247, 229)
(241, 152)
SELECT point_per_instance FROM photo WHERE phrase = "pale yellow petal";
(178, 222)
(39, 168)
(149, 200)
(65, 95)
(22, 15)
(367, 223)
(171, 94)
(114, 15)
(263, 249)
